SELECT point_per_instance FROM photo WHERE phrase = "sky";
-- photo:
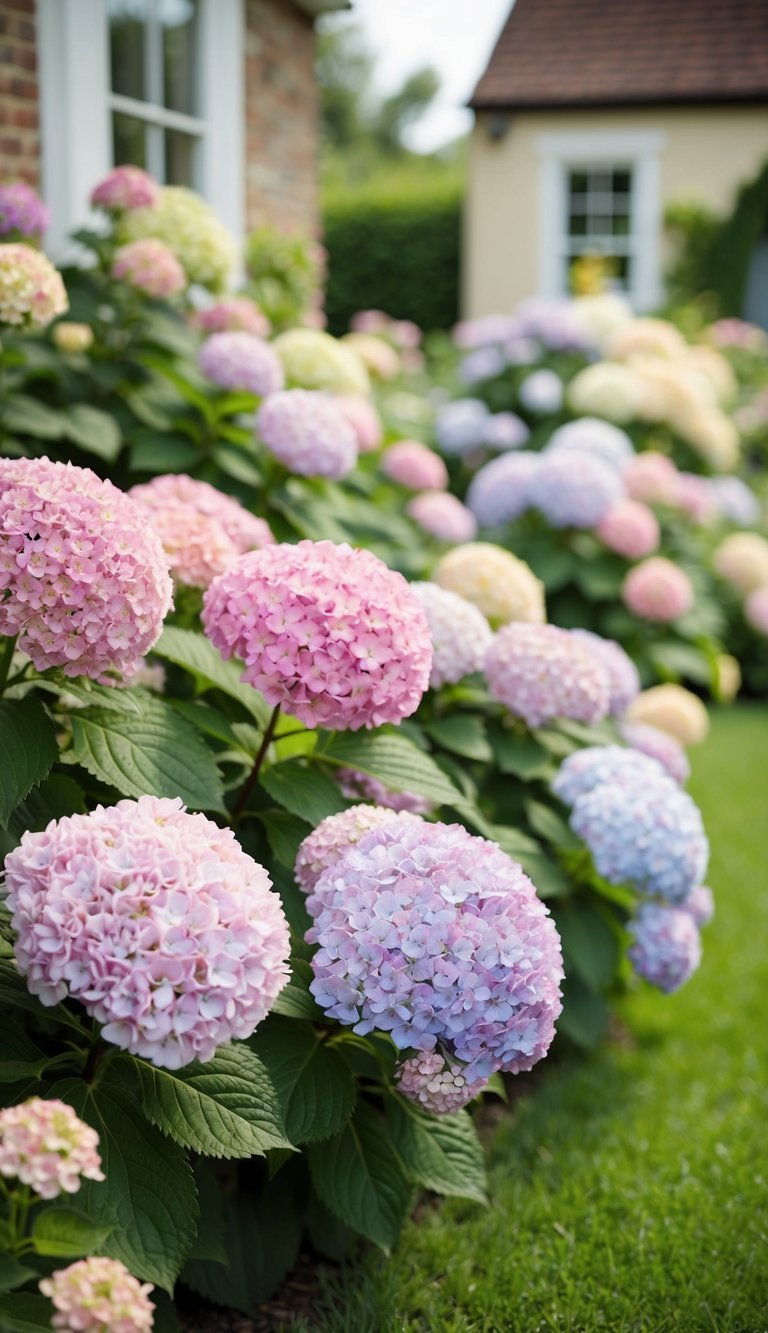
(455, 36)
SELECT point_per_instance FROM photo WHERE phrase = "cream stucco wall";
(706, 153)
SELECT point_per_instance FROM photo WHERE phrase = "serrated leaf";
(158, 754)
(63, 1233)
(358, 1175)
(315, 1087)
(57, 795)
(197, 655)
(148, 1197)
(93, 430)
(295, 1000)
(440, 1153)
(303, 789)
(395, 761)
(462, 734)
(28, 750)
(227, 1107)
(590, 946)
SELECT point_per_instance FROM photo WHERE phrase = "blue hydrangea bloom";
(666, 946)
(498, 493)
(594, 436)
(573, 489)
(586, 769)
(460, 425)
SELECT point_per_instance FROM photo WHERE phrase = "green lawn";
(630, 1190)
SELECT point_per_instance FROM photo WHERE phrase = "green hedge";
(734, 245)
(394, 250)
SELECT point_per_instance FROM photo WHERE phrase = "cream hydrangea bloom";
(504, 587)
(313, 359)
(673, 709)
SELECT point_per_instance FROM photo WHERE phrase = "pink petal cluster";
(442, 516)
(630, 529)
(361, 415)
(333, 836)
(125, 188)
(233, 314)
(84, 580)
(328, 632)
(241, 361)
(659, 745)
(652, 478)
(357, 786)
(99, 1295)
(151, 267)
(308, 433)
(438, 938)
(460, 634)
(694, 496)
(31, 289)
(22, 211)
(540, 672)
(412, 464)
(700, 904)
(623, 675)
(202, 530)
(155, 920)
(436, 1084)
(756, 610)
(45, 1145)
(666, 947)
(657, 589)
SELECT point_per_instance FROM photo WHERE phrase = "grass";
(629, 1189)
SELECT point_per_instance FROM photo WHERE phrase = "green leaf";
(550, 881)
(237, 464)
(550, 825)
(148, 1197)
(295, 1000)
(209, 1242)
(440, 1153)
(590, 945)
(585, 1014)
(358, 1175)
(154, 451)
(28, 749)
(395, 761)
(315, 1087)
(285, 833)
(93, 430)
(197, 655)
(29, 417)
(208, 720)
(303, 790)
(25, 1312)
(62, 1233)
(461, 734)
(14, 995)
(20, 1058)
(57, 796)
(513, 842)
(226, 1107)
(518, 754)
(680, 659)
(159, 754)
(12, 1274)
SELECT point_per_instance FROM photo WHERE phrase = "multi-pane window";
(599, 211)
(154, 94)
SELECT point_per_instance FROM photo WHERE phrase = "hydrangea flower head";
(31, 290)
(151, 267)
(377, 355)
(438, 938)
(241, 361)
(155, 920)
(99, 1295)
(70, 337)
(482, 363)
(125, 188)
(442, 516)
(325, 845)
(756, 610)
(586, 769)
(412, 464)
(542, 392)
(652, 478)
(672, 709)
(742, 560)
(735, 500)
(700, 904)
(657, 589)
(592, 435)
(84, 580)
(666, 947)
(188, 225)
(361, 415)
(312, 359)
(22, 212)
(630, 528)
(202, 530)
(308, 433)
(607, 390)
(435, 1083)
(623, 675)
(573, 488)
(505, 430)
(460, 425)
(460, 634)
(540, 672)
(501, 585)
(328, 632)
(45, 1145)
(498, 492)
(358, 786)
(658, 745)
(233, 314)
(694, 496)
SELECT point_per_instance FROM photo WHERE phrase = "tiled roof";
(620, 52)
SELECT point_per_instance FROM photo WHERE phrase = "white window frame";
(76, 105)
(558, 155)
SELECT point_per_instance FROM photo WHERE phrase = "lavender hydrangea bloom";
(542, 392)
(735, 500)
(22, 211)
(666, 947)
(505, 430)
(573, 488)
(540, 672)
(649, 834)
(308, 434)
(659, 745)
(700, 904)
(623, 675)
(498, 493)
(240, 361)
(438, 938)
(592, 435)
(326, 844)
(586, 769)
(436, 1084)
(460, 425)
(482, 364)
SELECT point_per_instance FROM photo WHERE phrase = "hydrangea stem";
(251, 780)
(7, 647)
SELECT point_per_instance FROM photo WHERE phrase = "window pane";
(601, 225)
(179, 158)
(621, 224)
(578, 182)
(622, 182)
(577, 225)
(127, 38)
(179, 27)
(129, 143)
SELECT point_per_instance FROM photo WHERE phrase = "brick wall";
(19, 124)
(281, 117)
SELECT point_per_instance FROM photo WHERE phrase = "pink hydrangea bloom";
(412, 464)
(666, 947)
(22, 211)
(659, 745)
(84, 580)
(694, 496)
(328, 632)
(652, 478)
(124, 188)
(438, 938)
(326, 844)
(241, 361)
(31, 289)
(460, 634)
(630, 529)
(308, 433)
(357, 786)
(436, 1084)
(361, 415)
(756, 610)
(233, 314)
(45, 1145)
(700, 904)
(151, 267)
(202, 530)
(657, 589)
(540, 672)
(155, 920)
(99, 1295)
(623, 675)
(442, 516)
